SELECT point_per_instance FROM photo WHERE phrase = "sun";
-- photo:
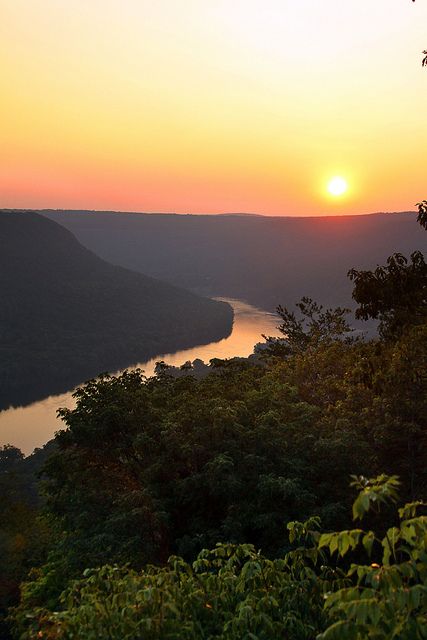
(337, 186)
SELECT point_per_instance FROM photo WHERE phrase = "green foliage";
(400, 395)
(396, 294)
(233, 591)
(149, 468)
(385, 599)
(227, 592)
(158, 470)
(377, 491)
(24, 535)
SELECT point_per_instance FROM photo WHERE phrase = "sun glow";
(337, 186)
(213, 106)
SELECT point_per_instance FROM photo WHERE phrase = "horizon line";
(242, 214)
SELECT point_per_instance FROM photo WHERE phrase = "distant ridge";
(265, 261)
(244, 214)
(67, 315)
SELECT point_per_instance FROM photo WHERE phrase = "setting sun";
(337, 186)
(209, 106)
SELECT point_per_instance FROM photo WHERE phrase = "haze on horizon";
(213, 106)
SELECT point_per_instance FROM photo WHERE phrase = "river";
(32, 426)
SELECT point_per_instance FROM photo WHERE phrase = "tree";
(372, 585)
(315, 326)
(23, 536)
(422, 209)
(150, 468)
(396, 294)
(386, 597)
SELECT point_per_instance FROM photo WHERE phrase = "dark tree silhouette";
(422, 213)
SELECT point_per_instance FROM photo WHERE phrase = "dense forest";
(263, 260)
(184, 508)
(66, 315)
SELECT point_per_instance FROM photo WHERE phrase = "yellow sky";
(213, 105)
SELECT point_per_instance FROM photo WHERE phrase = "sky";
(211, 106)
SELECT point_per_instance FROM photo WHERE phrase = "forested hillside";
(236, 487)
(279, 496)
(219, 507)
(66, 315)
(262, 260)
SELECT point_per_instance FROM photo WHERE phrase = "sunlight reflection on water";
(32, 426)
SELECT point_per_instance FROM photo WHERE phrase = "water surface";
(32, 426)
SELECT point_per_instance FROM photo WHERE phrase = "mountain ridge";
(265, 261)
(67, 314)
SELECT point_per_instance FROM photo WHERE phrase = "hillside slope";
(66, 315)
(264, 260)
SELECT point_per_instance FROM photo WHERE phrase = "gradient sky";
(213, 105)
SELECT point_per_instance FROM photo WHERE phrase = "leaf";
(368, 541)
(409, 510)
(340, 630)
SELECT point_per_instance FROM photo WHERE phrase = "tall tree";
(396, 294)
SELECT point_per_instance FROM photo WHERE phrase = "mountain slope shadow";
(67, 315)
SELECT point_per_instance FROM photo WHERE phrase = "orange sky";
(213, 105)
